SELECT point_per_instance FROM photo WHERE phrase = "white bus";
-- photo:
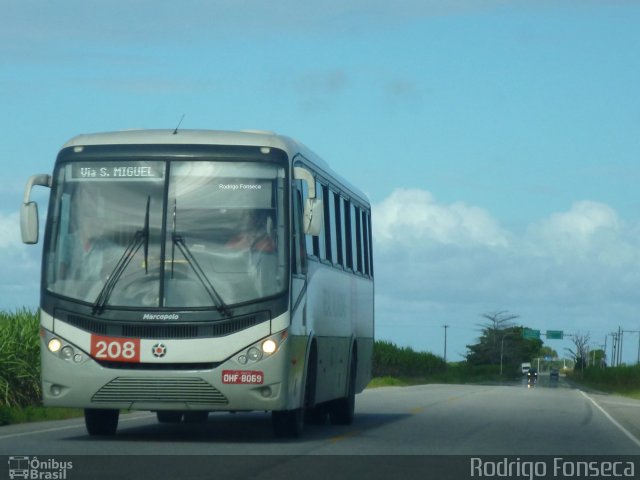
(186, 272)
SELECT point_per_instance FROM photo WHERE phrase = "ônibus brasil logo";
(34, 468)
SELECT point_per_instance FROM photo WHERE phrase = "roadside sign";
(555, 334)
(530, 334)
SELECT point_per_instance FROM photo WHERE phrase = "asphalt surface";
(392, 425)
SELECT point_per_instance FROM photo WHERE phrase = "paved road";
(550, 419)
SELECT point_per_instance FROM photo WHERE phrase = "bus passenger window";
(348, 235)
(326, 196)
(339, 228)
(366, 239)
(319, 241)
(357, 235)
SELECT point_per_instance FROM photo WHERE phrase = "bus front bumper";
(85, 383)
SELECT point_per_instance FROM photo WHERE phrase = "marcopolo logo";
(38, 469)
(161, 316)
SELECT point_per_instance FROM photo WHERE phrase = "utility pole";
(502, 349)
(445, 343)
(621, 335)
(614, 348)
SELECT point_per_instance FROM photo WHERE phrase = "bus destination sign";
(118, 171)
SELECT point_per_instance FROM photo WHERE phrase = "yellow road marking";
(346, 436)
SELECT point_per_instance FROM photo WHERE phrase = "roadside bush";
(19, 359)
(623, 377)
(394, 361)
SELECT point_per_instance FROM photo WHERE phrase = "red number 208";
(115, 349)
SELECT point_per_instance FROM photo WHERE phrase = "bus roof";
(216, 137)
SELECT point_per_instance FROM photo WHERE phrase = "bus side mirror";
(313, 217)
(29, 222)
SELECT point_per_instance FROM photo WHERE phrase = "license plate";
(242, 377)
(115, 349)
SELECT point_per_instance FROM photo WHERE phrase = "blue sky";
(497, 140)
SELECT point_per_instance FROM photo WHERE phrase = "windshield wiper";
(145, 232)
(204, 280)
(178, 240)
(141, 237)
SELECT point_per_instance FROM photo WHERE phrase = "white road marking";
(69, 427)
(629, 435)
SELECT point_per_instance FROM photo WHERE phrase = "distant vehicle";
(532, 376)
(526, 366)
(554, 374)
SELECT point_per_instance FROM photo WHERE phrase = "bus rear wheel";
(342, 410)
(101, 422)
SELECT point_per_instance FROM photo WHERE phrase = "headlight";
(62, 348)
(254, 354)
(54, 345)
(67, 353)
(269, 346)
(263, 349)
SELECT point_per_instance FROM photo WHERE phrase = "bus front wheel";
(101, 422)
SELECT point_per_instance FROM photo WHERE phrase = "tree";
(579, 353)
(548, 352)
(493, 332)
(501, 338)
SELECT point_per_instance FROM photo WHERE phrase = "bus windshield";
(175, 234)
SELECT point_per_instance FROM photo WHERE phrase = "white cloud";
(413, 218)
(586, 226)
(10, 231)
(19, 284)
(578, 269)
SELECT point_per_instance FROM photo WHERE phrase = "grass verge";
(623, 380)
(11, 415)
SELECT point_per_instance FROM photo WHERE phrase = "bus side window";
(299, 248)
(370, 245)
(347, 233)
(328, 221)
(367, 241)
(338, 227)
(311, 246)
(319, 242)
(358, 238)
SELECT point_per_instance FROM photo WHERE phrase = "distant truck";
(526, 366)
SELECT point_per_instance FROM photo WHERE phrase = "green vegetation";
(11, 415)
(503, 344)
(20, 395)
(402, 366)
(19, 359)
(390, 360)
(622, 380)
(20, 371)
